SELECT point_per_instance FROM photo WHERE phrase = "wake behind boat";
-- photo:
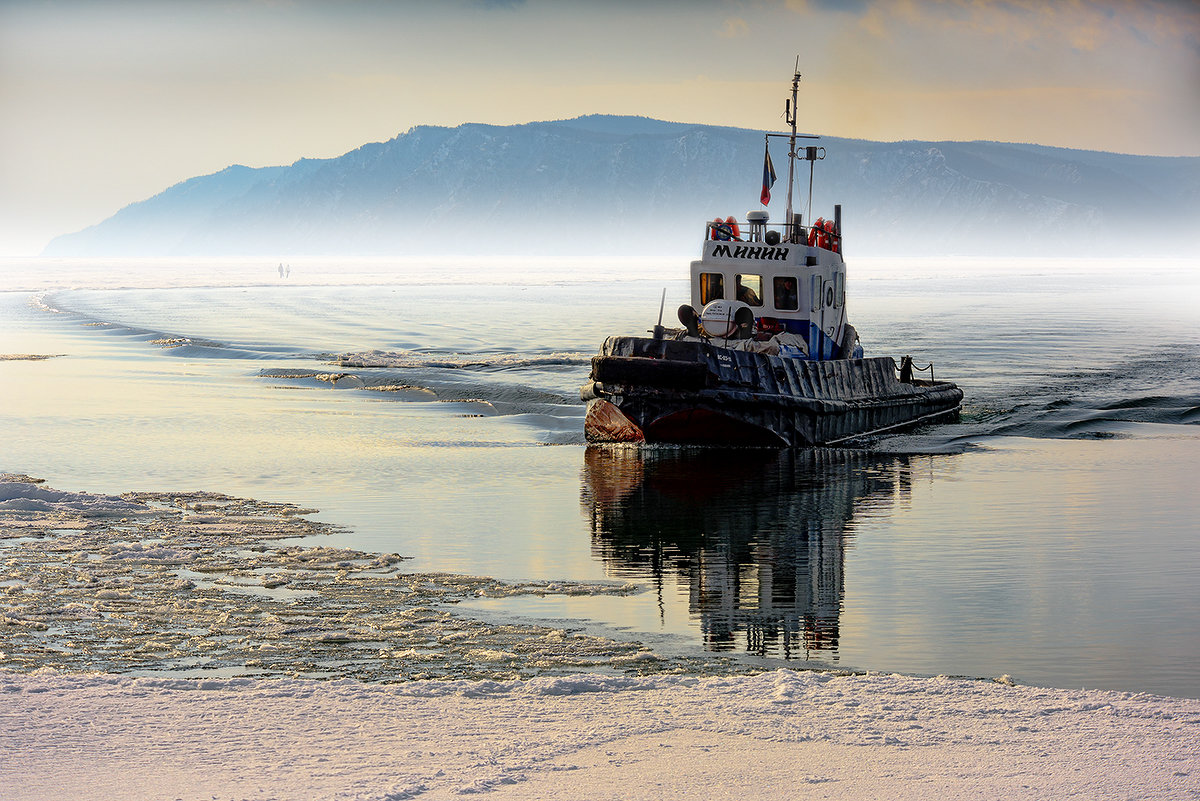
(771, 358)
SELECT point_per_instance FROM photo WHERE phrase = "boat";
(766, 355)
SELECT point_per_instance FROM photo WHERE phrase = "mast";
(790, 114)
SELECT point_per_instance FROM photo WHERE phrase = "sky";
(107, 102)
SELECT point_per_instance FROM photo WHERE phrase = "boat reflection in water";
(758, 537)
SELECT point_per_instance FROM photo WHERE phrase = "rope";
(912, 366)
(928, 367)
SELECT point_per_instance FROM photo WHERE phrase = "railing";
(906, 370)
(724, 231)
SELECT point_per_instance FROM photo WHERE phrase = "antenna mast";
(790, 114)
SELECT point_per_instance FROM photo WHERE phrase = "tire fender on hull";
(641, 371)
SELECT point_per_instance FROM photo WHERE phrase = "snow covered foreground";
(94, 582)
(783, 734)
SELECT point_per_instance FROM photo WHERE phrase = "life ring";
(721, 230)
(815, 233)
(830, 238)
(733, 227)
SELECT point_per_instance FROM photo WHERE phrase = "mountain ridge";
(615, 183)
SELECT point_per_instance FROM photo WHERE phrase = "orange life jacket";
(816, 233)
(830, 238)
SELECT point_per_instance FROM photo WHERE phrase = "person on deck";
(785, 294)
(747, 295)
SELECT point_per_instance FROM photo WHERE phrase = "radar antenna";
(790, 112)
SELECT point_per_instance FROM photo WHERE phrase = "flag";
(768, 177)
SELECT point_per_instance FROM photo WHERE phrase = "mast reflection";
(759, 537)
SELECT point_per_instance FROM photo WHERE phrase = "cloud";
(1082, 25)
(734, 28)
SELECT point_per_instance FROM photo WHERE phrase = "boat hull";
(692, 392)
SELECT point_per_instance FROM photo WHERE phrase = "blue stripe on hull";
(820, 346)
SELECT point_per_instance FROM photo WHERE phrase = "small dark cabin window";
(787, 298)
(712, 287)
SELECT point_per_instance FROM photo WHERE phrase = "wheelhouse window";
(712, 287)
(815, 294)
(787, 298)
(749, 289)
(840, 293)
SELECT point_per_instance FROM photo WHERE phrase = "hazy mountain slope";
(157, 226)
(602, 184)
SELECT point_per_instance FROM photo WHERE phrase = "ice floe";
(198, 582)
(414, 359)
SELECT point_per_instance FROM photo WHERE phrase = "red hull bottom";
(606, 423)
(706, 427)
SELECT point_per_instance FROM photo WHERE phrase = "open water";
(1052, 535)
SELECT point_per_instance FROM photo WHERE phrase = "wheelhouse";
(793, 279)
